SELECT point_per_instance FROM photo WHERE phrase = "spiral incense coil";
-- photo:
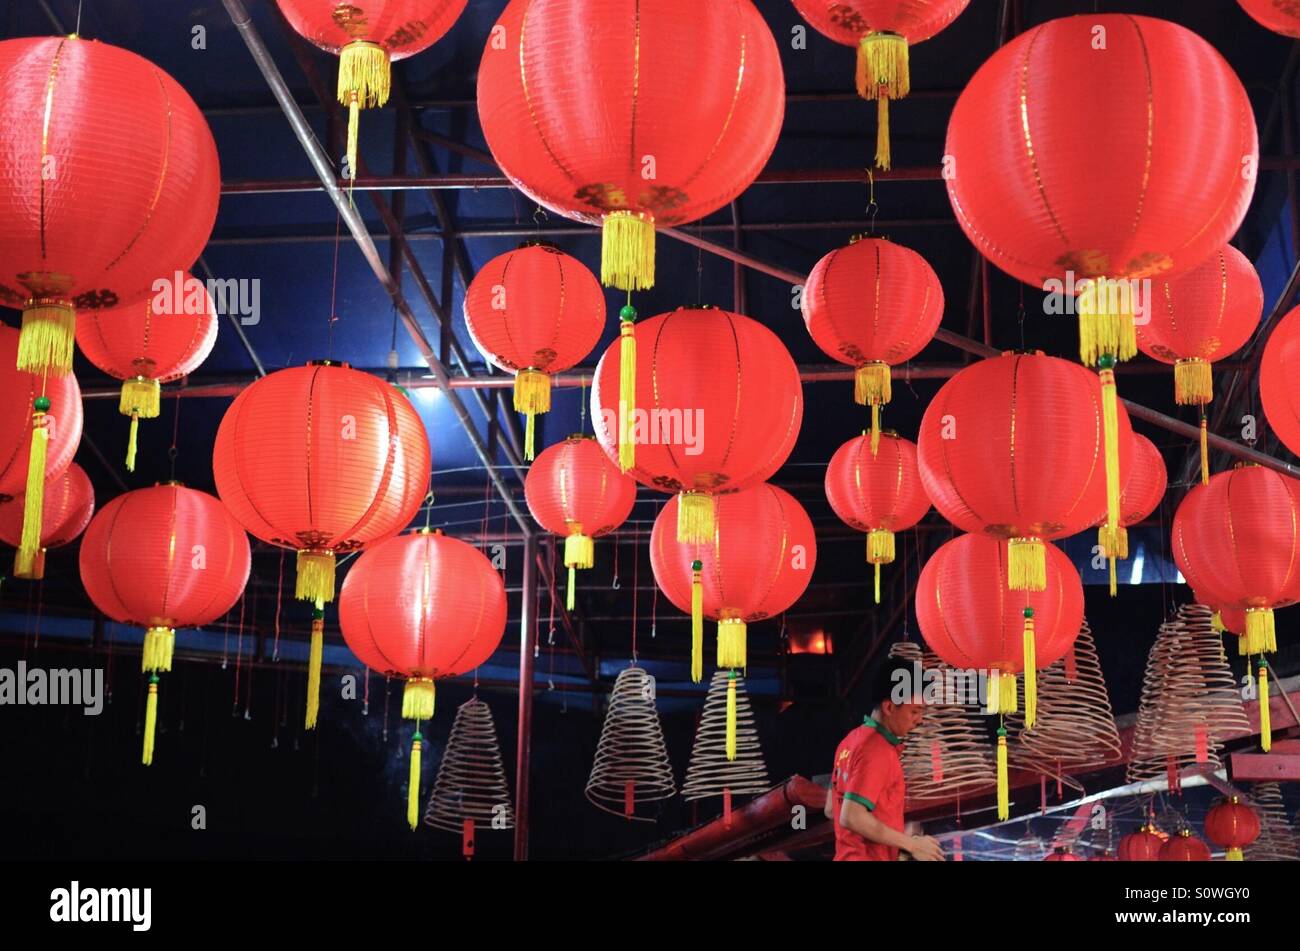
(631, 765)
(1277, 840)
(471, 781)
(1190, 701)
(1075, 728)
(710, 772)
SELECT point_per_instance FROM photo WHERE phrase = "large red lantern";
(422, 607)
(534, 311)
(971, 619)
(878, 492)
(718, 408)
(574, 491)
(758, 563)
(1141, 846)
(1184, 847)
(1232, 825)
(882, 30)
(1031, 195)
(631, 114)
(1013, 447)
(1278, 392)
(367, 38)
(873, 304)
(40, 429)
(68, 506)
(325, 460)
(1279, 16)
(150, 341)
(109, 176)
(163, 558)
(1144, 486)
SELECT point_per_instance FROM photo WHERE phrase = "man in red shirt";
(866, 798)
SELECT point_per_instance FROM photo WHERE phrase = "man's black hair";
(892, 673)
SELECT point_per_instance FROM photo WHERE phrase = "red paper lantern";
(151, 341)
(882, 30)
(422, 607)
(109, 177)
(1144, 487)
(878, 492)
(1030, 193)
(1013, 447)
(534, 311)
(163, 558)
(1141, 846)
(367, 38)
(68, 505)
(1278, 392)
(1232, 825)
(1184, 847)
(718, 408)
(1107, 856)
(1276, 15)
(872, 305)
(1237, 542)
(631, 115)
(1062, 854)
(760, 562)
(573, 490)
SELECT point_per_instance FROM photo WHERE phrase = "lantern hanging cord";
(176, 431)
(279, 594)
(76, 31)
(334, 283)
(872, 208)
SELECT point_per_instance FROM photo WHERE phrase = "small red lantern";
(573, 490)
(422, 607)
(718, 408)
(1276, 15)
(1144, 487)
(878, 492)
(1062, 854)
(1184, 847)
(40, 429)
(631, 115)
(1278, 394)
(1107, 856)
(1144, 845)
(109, 176)
(149, 342)
(367, 39)
(1013, 447)
(1232, 825)
(534, 311)
(759, 563)
(68, 506)
(872, 305)
(160, 559)
(882, 30)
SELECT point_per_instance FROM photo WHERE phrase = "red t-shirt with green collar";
(868, 771)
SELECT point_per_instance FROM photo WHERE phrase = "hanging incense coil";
(1190, 701)
(1277, 840)
(710, 772)
(1075, 727)
(471, 784)
(631, 766)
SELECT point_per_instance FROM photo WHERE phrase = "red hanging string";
(279, 592)
(239, 648)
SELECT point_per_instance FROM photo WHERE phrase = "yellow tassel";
(1008, 702)
(1205, 452)
(532, 396)
(46, 342)
(1026, 565)
(993, 692)
(315, 576)
(627, 389)
(1265, 715)
(579, 551)
(413, 784)
(132, 440)
(697, 621)
(29, 544)
(876, 581)
(1234, 855)
(365, 81)
(731, 643)
(571, 592)
(1110, 428)
(1216, 623)
(354, 136)
(883, 156)
(159, 645)
(1114, 545)
(1261, 631)
(150, 720)
(880, 546)
(314, 665)
(731, 716)
(872, 386)
(418, 699)
(1106, 321)
(29, 565)
(140, 397)
(1193, 382)
(627, 251)
(694, 518)
(1031, 674)
(1114, 579)
(1004, 786)
(883, 74)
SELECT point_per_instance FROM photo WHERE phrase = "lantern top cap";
(575, 437)
(866, 236)
(543, 243)
(891, 433)
(329, 363)
(174, 483)
(1022, 353)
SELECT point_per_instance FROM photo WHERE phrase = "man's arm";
(829, 810)
(858, 818)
